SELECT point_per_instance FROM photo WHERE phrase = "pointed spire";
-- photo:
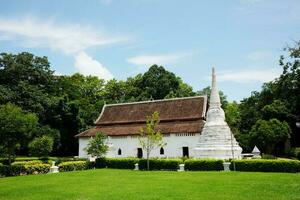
(214, 95)
(255, 150)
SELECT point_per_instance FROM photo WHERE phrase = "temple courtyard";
(127, 184)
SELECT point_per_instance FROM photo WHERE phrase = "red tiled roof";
(181, 115)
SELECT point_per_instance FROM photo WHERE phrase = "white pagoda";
(216, 139)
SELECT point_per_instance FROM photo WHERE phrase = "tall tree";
(157, 83)
(16, 127)
(268, 134)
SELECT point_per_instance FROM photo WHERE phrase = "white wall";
(83, 141)
(129, 145)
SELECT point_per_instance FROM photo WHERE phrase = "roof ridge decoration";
(157, 100)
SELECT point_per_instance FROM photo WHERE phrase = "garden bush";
(72, 166)
(203, 164)
(41, 146)
(59, 160)
(37, 168)
(26, 158)
(160, 164)
(101, 162)
(121, 163)
(13, 170)
(32, 162)
(296, 152)
(5, 161)
(128, 163)
(24, 168)
(261, 165)
(268, 156)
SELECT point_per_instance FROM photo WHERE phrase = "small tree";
(41, 146)
(97, 145)
(151, 138)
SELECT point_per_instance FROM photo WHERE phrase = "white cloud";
(248, 76)
(258, 55)
(157, 59)
(86, 65)
(68, 38)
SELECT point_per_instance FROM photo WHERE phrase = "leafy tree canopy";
(267, 134)
(16, 127)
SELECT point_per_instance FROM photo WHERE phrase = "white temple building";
(188, 128)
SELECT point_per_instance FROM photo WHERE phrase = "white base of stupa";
(217, 141)
(224, 152)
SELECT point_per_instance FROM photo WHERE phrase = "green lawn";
(126, 184)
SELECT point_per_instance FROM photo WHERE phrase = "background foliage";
(63, 106)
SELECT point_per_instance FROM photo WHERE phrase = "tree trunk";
(148, 165)
(9, 155)
(9, 159)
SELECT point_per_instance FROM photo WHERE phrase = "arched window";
(119, 152)
(162, 151)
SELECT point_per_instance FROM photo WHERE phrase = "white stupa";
(216, 139)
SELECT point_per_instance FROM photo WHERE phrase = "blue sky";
(242, 39)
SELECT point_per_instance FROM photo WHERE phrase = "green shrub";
(121, 163)
(268, 156)
(41, 146)
(160, 164)
(13, 170)
(128, 163)
(22, 168)
(26, 158)
(101, 162)
(3, 170)
(37, 168)
(261, 165)
(72, 166)
(5, 161)
(296, 152)
(59, 160)
(203, 164)
(33, 162)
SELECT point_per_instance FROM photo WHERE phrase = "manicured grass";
(127, 184)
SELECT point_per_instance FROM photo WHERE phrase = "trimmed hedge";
(121, 163)
(160, 164)
(33, 162)
(59, 160)
(128, 163)
(17, 169)
(4, 161)
(204, 164)
(261, 165)
(37, 169)
(13, 170)
(101, 162)
(72, 166)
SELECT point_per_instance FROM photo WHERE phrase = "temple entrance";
(139, 152)
(185, 151)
